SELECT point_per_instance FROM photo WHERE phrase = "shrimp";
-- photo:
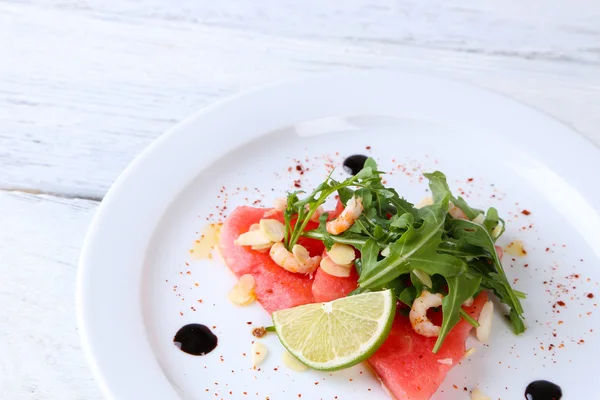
(279, 206)
(344, 221)
(499, 252)
(456, 212)
(317, 214)
(418, 314)
(298, 261)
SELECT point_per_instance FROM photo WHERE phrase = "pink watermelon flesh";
(327, 288)
(276, 288)
(404, 363)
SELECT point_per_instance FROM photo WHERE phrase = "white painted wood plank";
(532, 29)
(85, 86)
(40, 354)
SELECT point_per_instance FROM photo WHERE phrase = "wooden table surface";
(85, 85)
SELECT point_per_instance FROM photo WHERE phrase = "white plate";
(138, 245)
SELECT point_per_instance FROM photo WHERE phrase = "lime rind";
(338, 334)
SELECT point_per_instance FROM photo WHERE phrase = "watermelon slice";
(404, 363)
(327, 288)
(275, 288)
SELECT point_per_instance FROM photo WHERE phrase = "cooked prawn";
(456, 212)
(317, 214)
(344, 221)
(297, 261)
(279, 206)
(418, 314)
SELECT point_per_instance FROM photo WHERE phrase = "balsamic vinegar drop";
(195, 339)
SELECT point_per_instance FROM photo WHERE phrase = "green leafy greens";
(410, 250)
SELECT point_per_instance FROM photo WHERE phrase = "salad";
(375, 279)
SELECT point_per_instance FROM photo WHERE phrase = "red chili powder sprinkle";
(525, 212)
(590, 295)
(561, 303)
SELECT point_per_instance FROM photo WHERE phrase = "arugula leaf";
(417, 283)
(493, 282)
(397, 285)
(369, 254)
(516, 322)
(437, 263)
(438, 186)
(460, 288)
(316, 198)
(403, 221)
(354, 239)
(401, 205)
(370, 163)
(345, 194)
(462, 204)
(408, 295)
(491, 219)
(416, 249)
(461, 249)
(358, 265)
(439, 284)
(494, 275)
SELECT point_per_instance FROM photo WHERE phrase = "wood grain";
(40, 354)
(85, 86)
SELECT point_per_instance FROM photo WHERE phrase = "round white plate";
(139, 283)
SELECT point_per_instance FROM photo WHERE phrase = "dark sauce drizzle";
(354, 164)
(195, 339)
(543, 390)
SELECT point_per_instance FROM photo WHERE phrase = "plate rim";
(92, 344)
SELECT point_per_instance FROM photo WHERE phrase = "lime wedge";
(338, 334)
